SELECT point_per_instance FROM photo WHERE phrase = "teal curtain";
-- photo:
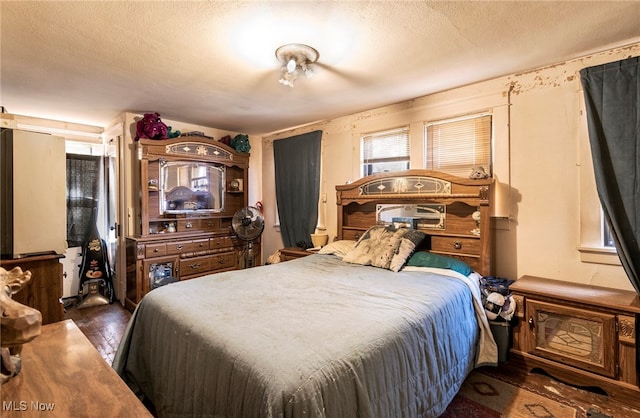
(297, 176)
(612, 98)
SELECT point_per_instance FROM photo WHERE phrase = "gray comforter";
(312, 337)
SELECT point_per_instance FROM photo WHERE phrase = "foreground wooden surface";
(63, 375)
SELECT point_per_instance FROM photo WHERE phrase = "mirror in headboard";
(188, 186)
(418, 216)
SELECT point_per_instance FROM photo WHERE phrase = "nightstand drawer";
(291, 253)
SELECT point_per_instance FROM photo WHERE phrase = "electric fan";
(248, 224)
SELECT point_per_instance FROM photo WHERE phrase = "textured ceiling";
(212, 63)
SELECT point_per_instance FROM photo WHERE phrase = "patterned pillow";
(384, 247)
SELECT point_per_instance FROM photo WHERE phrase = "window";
(607, 238)
(83, 172)
(385, 151)
(455, 146)
(596, 242)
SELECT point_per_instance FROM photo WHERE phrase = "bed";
(329, 335)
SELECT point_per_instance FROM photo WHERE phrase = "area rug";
(482, 396)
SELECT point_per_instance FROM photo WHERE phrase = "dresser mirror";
(188, 186)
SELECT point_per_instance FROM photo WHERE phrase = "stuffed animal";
(496, 298)
(241, 143)
(477, 172)
(151, 127)
(274, 258)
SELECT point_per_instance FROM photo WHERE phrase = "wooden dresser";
(44, 290)
(63, 375)
(190, 189)
(583, 335)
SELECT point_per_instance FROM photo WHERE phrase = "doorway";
(104, 197)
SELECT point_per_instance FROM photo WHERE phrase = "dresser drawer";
(155, 250)
(190, 246)
(195, 265)
(178, 247)
(199, 245)
(209, 224)
(220, 242)
(223, 261)
(455, 245)
(188, 225)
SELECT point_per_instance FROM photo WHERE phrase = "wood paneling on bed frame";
(462, 197)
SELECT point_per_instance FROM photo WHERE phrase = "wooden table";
(63, 375)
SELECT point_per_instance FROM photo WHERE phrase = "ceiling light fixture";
(294, 57)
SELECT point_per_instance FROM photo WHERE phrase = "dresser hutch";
(190, 188)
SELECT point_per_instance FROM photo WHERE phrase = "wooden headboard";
(449, 205)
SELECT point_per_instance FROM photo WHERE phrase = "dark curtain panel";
(83, 172)
(297, 170)
(612, 97)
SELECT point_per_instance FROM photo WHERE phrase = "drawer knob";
(194, 265)
(155, 250)
(222, 261)
(531, 323)
(179, 247)
(457, 245)
(188, 225)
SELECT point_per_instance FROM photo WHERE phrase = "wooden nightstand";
(290, 253)
(583, 335)
(63, 375)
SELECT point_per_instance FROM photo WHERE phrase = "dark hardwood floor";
(104, 326)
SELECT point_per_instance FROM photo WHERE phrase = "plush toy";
(241, 143)
(151, 127)
(173, 134)
(477, 172)
(496, 298)
(274, 258)
(493, 305)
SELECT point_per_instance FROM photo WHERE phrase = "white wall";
(541, 140)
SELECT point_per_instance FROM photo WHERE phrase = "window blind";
(455, 146)
(385, 151)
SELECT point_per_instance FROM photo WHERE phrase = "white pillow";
(338, 248)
